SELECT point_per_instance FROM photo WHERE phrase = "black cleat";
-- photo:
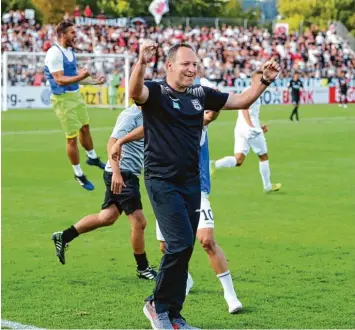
(60, 246)
(147, 274)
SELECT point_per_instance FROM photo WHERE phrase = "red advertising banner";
(334, 95)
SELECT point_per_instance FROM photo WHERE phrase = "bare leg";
(106, 217)
(73, 151)
(85, 138)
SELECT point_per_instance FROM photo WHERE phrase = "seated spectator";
(101, 15)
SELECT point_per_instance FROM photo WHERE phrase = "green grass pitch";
(291, 253)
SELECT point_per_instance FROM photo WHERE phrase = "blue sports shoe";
(95, 162)
(84, 182)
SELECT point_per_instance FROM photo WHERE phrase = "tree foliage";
(309, 12)
(345, 13)
(7, 5)
(318, 12)
(53, 10)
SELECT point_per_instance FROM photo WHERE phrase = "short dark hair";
(173, 50)
(62, 27)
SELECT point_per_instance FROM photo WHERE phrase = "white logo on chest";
(197, 105)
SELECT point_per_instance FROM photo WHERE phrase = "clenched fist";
(271, 70)
(147, 51)
(84, 73)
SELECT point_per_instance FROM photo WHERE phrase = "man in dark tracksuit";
(295, 85)
(343, 87)
(173, 120)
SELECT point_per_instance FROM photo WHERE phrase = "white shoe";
(234, 305)
(345, 105)
(274, 187)
(189, 283)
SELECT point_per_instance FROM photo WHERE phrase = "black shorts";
(129, 200)
(295, 99)
(343, 92)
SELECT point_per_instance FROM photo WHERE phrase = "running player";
(249, 133)
(122, 195)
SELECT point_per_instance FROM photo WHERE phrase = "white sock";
(228, 161)
(77, 170)
(189, 283)
(227, 284)
(264, 169)
(91, 154)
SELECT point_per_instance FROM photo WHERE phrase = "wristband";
(265, 82)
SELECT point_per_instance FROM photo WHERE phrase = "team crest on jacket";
(197, 105)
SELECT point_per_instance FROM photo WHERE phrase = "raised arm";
(137, 91)
(244, 100)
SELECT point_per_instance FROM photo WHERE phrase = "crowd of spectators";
(227, 53)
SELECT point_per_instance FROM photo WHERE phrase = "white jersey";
(254, 112)
(244, 135)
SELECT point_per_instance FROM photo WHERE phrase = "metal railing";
(343, 32)
(216, 22)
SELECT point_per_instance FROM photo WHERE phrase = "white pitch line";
(40, 132)
(218, 122)
(16, 325)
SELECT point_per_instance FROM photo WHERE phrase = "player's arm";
(137, 90)
(244, 100)
(253, 131)
(265, 128)
(117, 182)
(62, 80)
(93, 81)
(246, 116)
(116, 148)
(121, 129)
(54, 62)
(209, 117)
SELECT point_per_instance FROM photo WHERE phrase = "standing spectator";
(88, 11)
(76, 12)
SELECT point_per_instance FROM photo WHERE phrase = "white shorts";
(242, 144)
(206, 217)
